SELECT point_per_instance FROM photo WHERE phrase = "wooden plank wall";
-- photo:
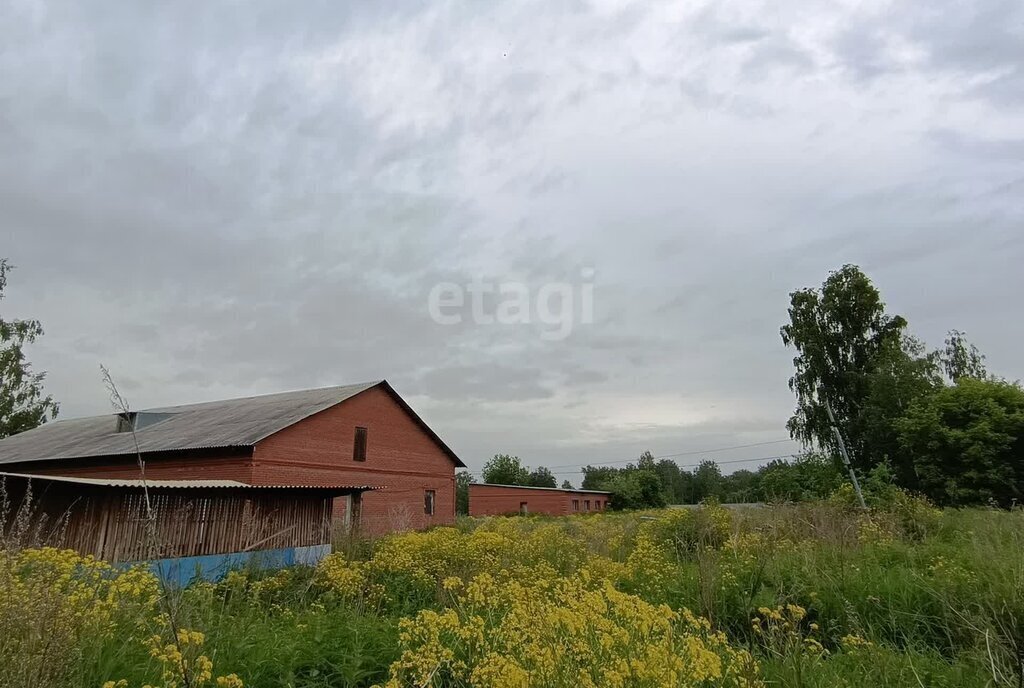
(111, 524)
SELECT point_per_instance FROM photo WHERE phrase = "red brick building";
(357, 434)
(493, 500)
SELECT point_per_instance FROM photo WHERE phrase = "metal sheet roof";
(180, 484)
(530, 487)
(210, 425)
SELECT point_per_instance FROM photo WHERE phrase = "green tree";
(688, 489)
(596, 476)
(22, 403)
(541, 477)
(741, 486)
(961, 359)
(635, 488)
(847, 350)
(967, 442)
(566, 485)
(646, 462)
(463, 479)
(673, 481)
(900, 376)
(707, 481)
(809, 476)
(632, 487)
(504, 469)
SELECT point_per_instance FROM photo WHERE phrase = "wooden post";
(348, 513)
(104, 504)
(356, 502)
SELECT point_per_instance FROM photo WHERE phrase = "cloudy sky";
(224, 199)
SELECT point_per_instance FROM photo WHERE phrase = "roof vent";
(126, 421)
(137, 420)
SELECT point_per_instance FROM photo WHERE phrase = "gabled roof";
(230, 423)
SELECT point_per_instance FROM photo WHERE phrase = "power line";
(695, 465)
(756, 458)
(678, 454)
(722, 449)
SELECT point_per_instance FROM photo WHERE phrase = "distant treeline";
(928, 422)
(650, 482)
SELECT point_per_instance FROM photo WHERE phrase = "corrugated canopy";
(210, 425)
(180, 484)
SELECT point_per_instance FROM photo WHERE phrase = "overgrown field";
(807, 595)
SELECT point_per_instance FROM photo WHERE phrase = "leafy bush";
(967, 443)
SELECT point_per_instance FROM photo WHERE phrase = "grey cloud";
(777, 52)
(710, 24)
(703, 96)
(983, 40)
(216, 200)
(1006, 89)
(978, 147)
(488, 381)
(864, 52)
(976, 36)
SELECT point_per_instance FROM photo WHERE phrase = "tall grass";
(819, 595)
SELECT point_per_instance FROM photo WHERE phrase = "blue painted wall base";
(213, 567)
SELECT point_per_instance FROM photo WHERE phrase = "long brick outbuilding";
(486, 499)
(356, 434)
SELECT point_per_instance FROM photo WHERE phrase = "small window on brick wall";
(429, 497)
(359, 450)
(575, 505)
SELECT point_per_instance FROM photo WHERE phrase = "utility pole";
(842, 447)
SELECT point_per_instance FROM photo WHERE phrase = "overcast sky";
(225, 199)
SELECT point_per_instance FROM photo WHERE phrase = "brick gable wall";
(399, 455)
